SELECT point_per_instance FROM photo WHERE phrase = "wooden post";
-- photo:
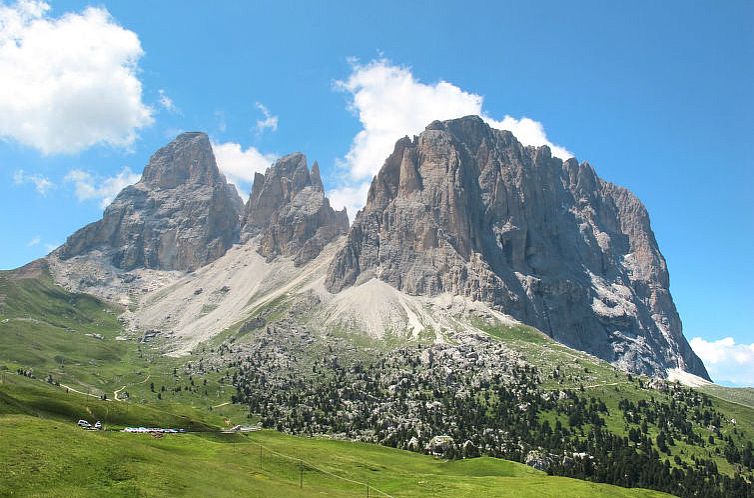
(367, 490)
(301, 475)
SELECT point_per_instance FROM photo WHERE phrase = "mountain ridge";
(466, 209)
(462, 209)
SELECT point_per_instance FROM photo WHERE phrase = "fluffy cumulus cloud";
(239, 165)
(41, 183)
(391, 103)
(68, 82)
(88, 186)
(726, 360)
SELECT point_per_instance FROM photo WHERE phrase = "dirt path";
(115, 393)
(79, 392)
(221, 404)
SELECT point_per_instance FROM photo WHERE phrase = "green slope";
(45, 453)
(49, 332)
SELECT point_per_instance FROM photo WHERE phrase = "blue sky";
(656, 95)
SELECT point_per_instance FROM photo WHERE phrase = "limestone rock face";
(289, 212)
(181, 215)
(468, 210)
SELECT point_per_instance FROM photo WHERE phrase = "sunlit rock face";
(466, 209)
(289, 212)
(181, 215)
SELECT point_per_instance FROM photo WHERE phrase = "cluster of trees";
(487, 404)
(677, 420)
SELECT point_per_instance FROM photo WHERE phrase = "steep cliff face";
(181, 215)
(289, 212)
(468, 210)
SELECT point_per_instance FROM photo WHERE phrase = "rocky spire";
(289, 212)
(316, 178)
(181, 215)
(186, 160)
(468, 210)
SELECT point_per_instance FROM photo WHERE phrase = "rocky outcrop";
(288, 211)
(468, 210)
(181, 215)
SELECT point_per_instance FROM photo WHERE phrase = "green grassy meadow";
(45, 454)
(64, 339)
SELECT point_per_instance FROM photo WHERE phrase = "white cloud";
(269, 122)
(40, 182)
(726, 360)
(239, 165)
(167, 103)
(528, 132)
(391, 103)
(34, 241)
(88, 187)
(68, 82)
(351, 197)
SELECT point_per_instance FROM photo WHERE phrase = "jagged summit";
(187, 159)
(181, 215)
(468, 210)
(288, 209)
(462, 210)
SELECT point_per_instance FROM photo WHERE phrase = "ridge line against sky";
(68, 147)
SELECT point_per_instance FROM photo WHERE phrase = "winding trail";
(79, 392)
(115, 393)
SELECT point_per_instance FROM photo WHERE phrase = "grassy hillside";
(68, 347)
(741, 395)
(43, 452)
(73, 340)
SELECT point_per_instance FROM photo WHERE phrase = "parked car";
(98, 425)
(84, 424)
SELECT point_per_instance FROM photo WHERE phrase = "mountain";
(408, 329)
(289, 212)
(461, 222)
(467, 210)
(181, 215)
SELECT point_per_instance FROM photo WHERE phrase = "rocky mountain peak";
(181, 215)
(316, 178)
(188, 159)
(289, 212)
(468, 210)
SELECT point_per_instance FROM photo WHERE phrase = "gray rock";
(440, 446)
(289, 212)
(539, 459)
(181, 215)
(468, 210)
